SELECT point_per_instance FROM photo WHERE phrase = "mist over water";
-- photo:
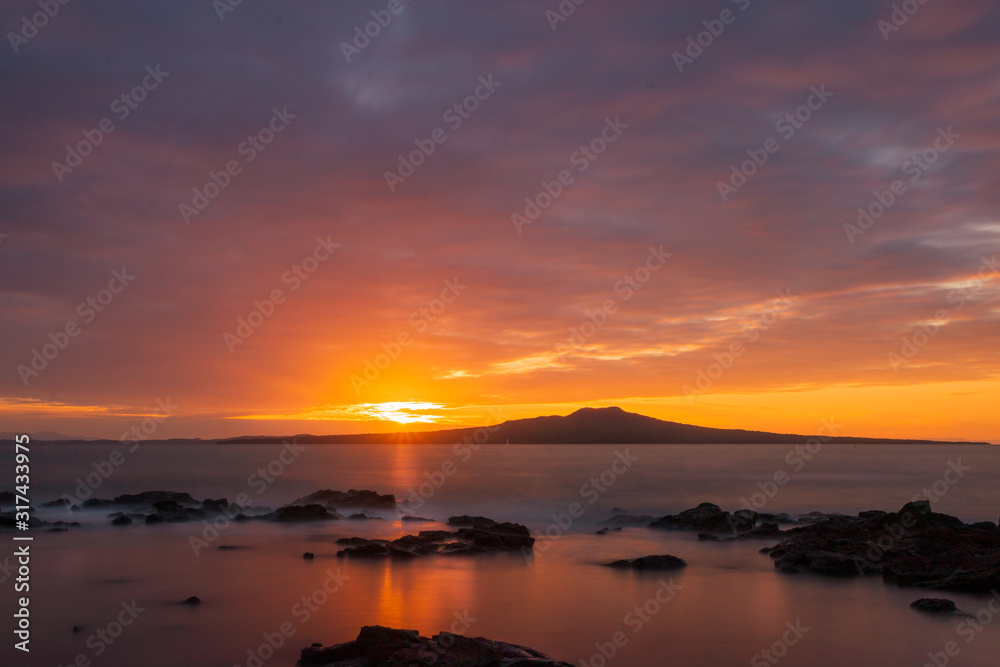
(727, 605)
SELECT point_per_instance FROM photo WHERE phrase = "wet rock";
(193, 600)
(911, 547)
(364, 517)
(482, 538)
(7, 499)
(661, 562)
(708, 518)
(605, 531)
(308, 555)
(351, 499)
(410, 517)
(121, 521)
(60, 503)
(378, 646)
(466, 520)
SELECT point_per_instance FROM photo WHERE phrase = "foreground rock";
(486, 536)
(378, 646)
(911, 547)
(351, 499)
(661, 562)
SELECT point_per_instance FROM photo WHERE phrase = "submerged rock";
(661, 562)
(378, 646)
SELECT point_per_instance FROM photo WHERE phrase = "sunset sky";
(629, 287)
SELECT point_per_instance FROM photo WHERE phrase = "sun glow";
(401, 412)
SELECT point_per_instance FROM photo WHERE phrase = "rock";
(378, 646)
(351, 499)
(121, 521)
(935, 606)
(911, 547)
(193, 600)
(308, 555)
(7, 499)
(466, 520)
(226, 547)
(154, 518)
(618, 510)
(409, 517)
(61, 502)
(662, 562)
(605, 531)
(482, 538)
(708, 518)
(77, 628)
(364, 517)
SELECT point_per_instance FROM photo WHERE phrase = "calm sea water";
(724, 609)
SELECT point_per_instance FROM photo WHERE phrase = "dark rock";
(935, 606)
(466, 520)
(193, 600)
(121, 521)
(61, 502)
(708, 518)
(77, 628)
(364, 517)
(662, 562)
(912, 547)
(709, 537)
(308, 555)
(378, 646)
(351, 499)
(226, 547)
(482, 538)
(7, 499)
(618, 510)
(409, 517)
(605, 531)
(154, 518)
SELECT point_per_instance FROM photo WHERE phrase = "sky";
(255, 218)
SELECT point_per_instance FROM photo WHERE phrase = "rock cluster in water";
(478, 535)
(911, 547)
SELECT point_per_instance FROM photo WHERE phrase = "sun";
(402, 412)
